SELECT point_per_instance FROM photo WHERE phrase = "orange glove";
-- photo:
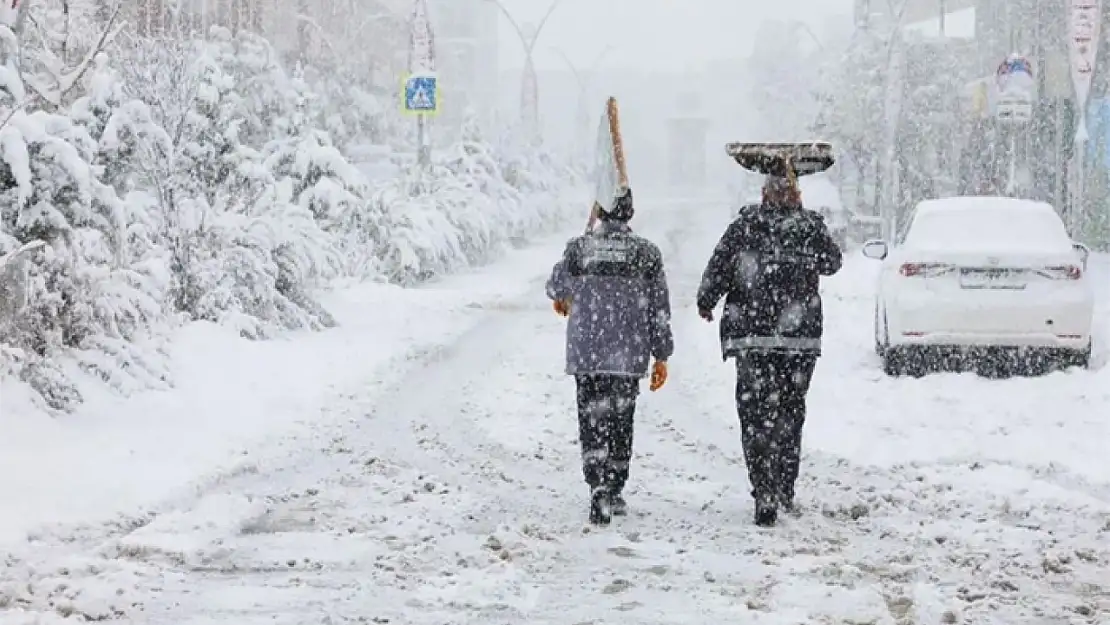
(658, 375)
(562, 307)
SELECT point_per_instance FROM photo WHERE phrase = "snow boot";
(766, 515)
(601, 512)
(618, 506)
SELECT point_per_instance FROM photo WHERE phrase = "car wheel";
(905, 361)
(892, 363)
(1079, 358)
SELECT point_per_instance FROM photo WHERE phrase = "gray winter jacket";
(620, 311)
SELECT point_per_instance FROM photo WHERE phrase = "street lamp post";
(812, 35)
(891, 111)
(529, 88)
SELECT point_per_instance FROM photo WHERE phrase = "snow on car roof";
(972, 203)
(991, 223)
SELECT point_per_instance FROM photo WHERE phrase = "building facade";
(466, 33)
(914, 11)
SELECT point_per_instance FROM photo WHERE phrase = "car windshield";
(995, 228)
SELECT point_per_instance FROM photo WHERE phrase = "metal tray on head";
(774, 159)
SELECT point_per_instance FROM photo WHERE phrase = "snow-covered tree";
(851, 97)
(322, 179)
(128, 138)
(82, 294)
(266, 87)
(148, 182)
(245, 252)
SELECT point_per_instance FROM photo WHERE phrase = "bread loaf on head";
(785, 160)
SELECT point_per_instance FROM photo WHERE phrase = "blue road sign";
(420, 94)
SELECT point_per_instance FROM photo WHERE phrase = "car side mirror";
(1084, 253)
(876, 250)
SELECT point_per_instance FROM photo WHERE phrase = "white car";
(980, 275)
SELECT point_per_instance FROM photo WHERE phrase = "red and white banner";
(1084, 25)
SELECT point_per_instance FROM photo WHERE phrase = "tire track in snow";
(290, 501)
(851, 512)
(873, 546)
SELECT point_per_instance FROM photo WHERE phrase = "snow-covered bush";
(323, 181)
(172, 181)
(468, 207)
(247, 249)
(268, 93)
(83, 293)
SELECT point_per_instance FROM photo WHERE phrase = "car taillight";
(924, 270)
(1063, 272)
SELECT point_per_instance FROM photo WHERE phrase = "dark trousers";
(606, 410)
(771, 390)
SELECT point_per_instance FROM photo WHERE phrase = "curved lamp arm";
(529, 44)
(543, 22)
(573, 69)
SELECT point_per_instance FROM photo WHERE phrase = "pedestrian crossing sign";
(421, 94)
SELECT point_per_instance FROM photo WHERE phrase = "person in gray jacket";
(611, 284)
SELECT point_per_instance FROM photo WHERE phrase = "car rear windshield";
(989, 228)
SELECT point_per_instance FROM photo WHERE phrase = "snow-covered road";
(453, 494)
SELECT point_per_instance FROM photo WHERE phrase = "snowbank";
(121, 455)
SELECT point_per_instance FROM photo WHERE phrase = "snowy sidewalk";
(236, 402)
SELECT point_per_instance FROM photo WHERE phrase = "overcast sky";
(666, 34)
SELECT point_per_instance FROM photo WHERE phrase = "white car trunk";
(990, 292)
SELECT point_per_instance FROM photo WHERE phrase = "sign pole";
(1084, 25)
(421, 88)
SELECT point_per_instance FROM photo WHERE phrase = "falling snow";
(260, 365)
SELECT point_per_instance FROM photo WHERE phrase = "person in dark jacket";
(612, 285)
(768, 266)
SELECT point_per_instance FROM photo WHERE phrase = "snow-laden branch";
(64, 82)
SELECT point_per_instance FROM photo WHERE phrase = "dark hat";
(622, 209)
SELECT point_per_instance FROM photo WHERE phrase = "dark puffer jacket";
(768, 264)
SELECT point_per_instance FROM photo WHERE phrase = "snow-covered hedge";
(204, 181)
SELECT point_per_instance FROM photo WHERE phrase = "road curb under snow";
(239, 407)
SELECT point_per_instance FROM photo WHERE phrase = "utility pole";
(891, 114)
